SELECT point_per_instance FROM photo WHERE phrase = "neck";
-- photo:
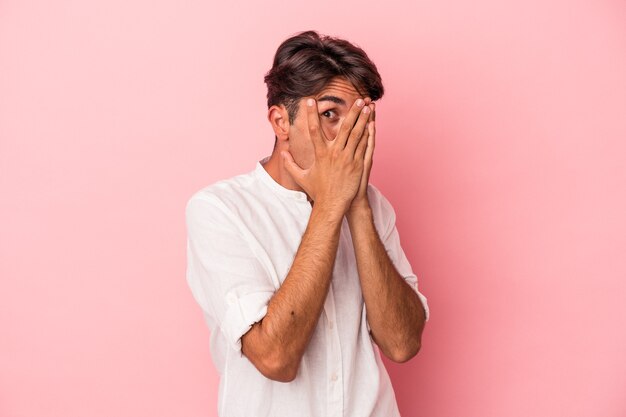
(275, 166)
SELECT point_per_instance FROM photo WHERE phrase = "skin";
(327, 153)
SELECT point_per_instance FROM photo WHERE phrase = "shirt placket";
(334, 368)
(334, 376)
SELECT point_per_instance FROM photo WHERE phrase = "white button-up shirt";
(243, 234)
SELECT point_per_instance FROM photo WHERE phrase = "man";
(297, 264)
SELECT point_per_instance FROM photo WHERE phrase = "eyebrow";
(334, 99)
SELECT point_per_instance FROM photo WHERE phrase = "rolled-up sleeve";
(391, 240)
(225, 277)
(397, 256)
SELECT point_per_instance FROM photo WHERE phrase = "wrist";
(329, 209)
(359, 212)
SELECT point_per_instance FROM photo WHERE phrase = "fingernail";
(310, 102)
(360, 102)
(366, 110)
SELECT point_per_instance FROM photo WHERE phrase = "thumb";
(291, 166)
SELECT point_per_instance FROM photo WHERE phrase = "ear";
(279, 119)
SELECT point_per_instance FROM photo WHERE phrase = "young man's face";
(333, 103)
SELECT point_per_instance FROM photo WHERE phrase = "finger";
(292, 168)
(313, 122)
(360, 149)
(371, 144)
(348, 123)
(357, 130)
(367, 163)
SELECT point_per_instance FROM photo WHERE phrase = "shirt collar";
(265, 177)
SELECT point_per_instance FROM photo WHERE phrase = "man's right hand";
(335, 175)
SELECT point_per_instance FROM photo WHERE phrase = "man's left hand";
(360, 201)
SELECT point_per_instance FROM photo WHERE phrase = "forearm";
(279, 340)
(394, 312)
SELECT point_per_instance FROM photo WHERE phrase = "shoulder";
(222, 196)
(227, 192)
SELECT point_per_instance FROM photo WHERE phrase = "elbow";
(405, 353)
(268, 357)
(278, 367)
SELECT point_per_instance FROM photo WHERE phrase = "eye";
(327, 114)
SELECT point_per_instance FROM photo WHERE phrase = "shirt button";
(334, 377)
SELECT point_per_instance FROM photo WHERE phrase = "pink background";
(501, 143)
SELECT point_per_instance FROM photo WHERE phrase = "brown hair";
(306, 62)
